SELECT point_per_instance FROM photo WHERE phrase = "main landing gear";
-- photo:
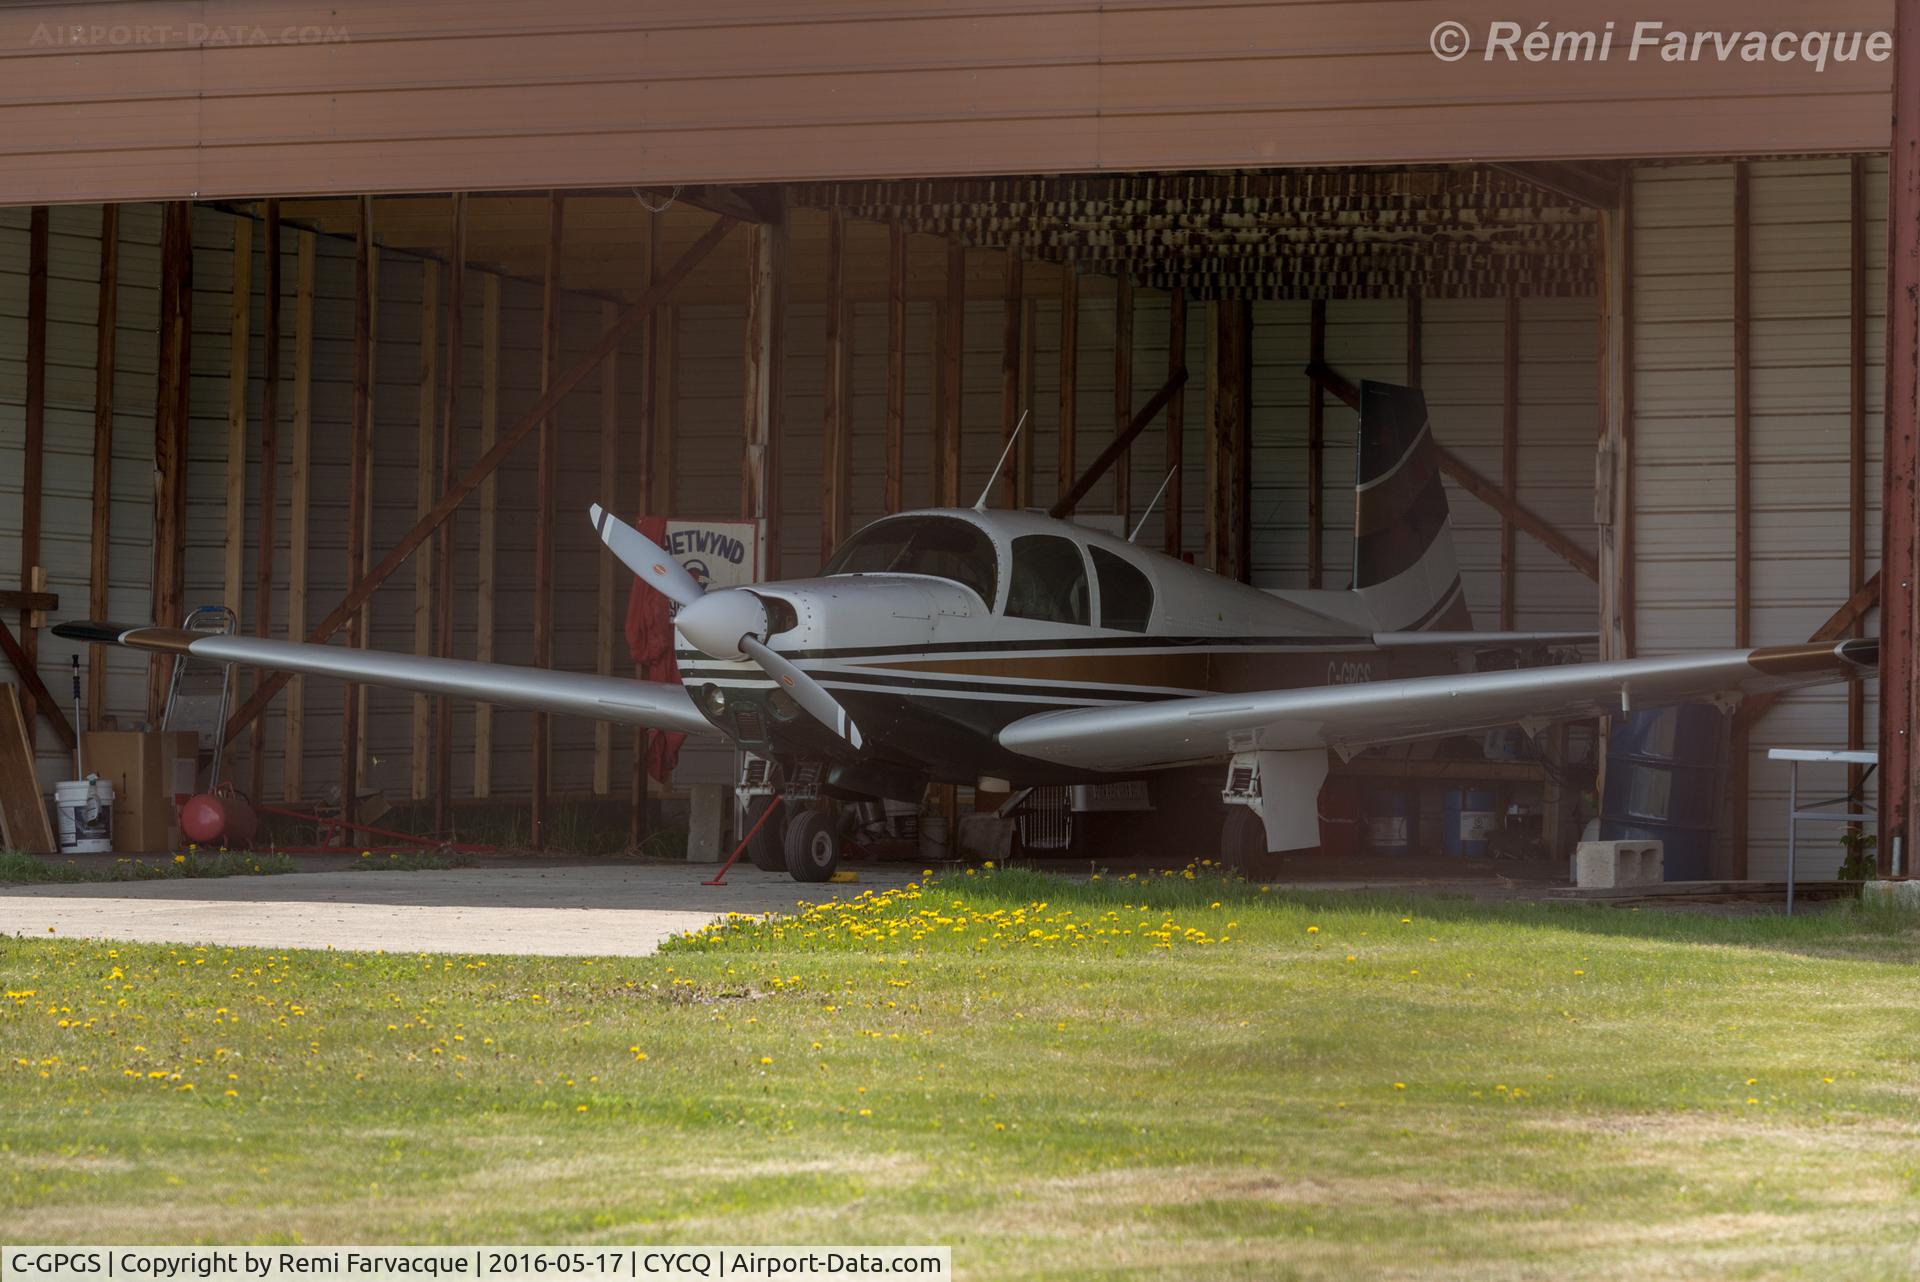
(803, 839)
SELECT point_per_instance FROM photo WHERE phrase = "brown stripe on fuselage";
(169, 640)
(1784, 660)
(1230, 670)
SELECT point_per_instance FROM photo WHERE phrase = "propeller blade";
(806, 692)
(653, 563)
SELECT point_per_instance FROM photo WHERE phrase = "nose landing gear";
(803, 840)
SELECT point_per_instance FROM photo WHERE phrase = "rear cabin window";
(1126, 597)
(1049, 581)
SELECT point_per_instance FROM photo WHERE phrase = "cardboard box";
(152, 772)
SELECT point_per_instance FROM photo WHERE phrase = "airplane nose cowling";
(715, 622)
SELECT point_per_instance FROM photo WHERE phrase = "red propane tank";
(225, 820)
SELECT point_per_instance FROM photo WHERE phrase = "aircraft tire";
(813, 846)
(766, 851)
(1243, 840)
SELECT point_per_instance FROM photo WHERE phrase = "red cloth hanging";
(650, 641)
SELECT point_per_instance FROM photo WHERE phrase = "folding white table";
(1819, 811)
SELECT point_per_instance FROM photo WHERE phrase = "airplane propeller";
(726, 623)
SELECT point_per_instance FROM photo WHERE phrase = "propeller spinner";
(726, 623)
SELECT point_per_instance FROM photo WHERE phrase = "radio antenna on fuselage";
(1153, 503)
(981, 504)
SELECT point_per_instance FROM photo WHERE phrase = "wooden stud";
(33, 463)
(1174, 513)
(666, 409)
(1117, 448)
(1856, 432)
(267, 541)
(170, 437)
(359, 476)
(1069, 376)
(1900, 469)
(896, 365)
(239, 333)
(1123, 395)
(836, 435)
(651, 449)
(605, 600)
(546, 476)
(448, 538)
(952, 389)
(362, 619)
(469, 480)
(1509, 453)
(1029, 340)
(765, 265)
(425, 435)
(106, 331)
(486, 569)
(1740, 765)
(1011, 310)
(1416, 335)
(1613, 467)
(299, 500)
(1316, 443)
(1228, 398)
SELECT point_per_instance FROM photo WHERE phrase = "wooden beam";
(952, 361)
(170, 436)
(1229, 374)
(836, 433)
(33, 449)
(1316, 441)
(1856, 431)
(1174, 511)
(239, 375)
(448, 538)
(267, 541)
(1029, 365)
(896, 366)
(1900, 468)
(1613, 510)
(652, 502)
(1593, 183)
(361, 624)
(484, 466)
(487, 568)
(1068, 467)
(1740, 766)
(15, 655)
(359, 478)
(99, 558)
(1123, 395)
(1348, 394)
(1012, 309)
(760, 462)
(546, 476)
(299, 502)
(606, 601)
(31, 602)
(1117, 448)
(420, 774)
(1509, 452)
(667, 408)
(1416, 332)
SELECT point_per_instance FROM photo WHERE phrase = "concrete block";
(1898, 894)
(706, 823)
(1604, 865)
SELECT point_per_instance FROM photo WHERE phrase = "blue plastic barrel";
(1665, 772)
(1470, 820)
(1387, 826)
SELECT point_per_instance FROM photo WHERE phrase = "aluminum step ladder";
(201, 690)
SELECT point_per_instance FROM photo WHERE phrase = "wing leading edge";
(655, 704)
(1351, 717)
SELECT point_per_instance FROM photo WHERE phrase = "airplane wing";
(1350, 717)
(656, 704)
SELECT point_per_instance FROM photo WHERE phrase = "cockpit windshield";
(942, 546)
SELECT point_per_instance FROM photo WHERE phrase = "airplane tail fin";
(1403, 559)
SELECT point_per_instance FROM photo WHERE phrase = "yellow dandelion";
(1399, 1086)
(1313, 930)
(766, 1059)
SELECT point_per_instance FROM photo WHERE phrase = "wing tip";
(94, 631)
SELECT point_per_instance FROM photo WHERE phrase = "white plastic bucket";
(933, 837)
(85, 809)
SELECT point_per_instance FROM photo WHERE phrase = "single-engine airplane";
(964, 644)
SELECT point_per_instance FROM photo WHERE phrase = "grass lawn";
(19, 868)
(1163, 1078)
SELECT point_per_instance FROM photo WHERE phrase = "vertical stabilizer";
(1403, 560)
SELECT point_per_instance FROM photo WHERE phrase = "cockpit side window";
(940, 546)
(1126, 597)
(1049, 581)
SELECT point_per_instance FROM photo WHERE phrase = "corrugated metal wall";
(1683, 355)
